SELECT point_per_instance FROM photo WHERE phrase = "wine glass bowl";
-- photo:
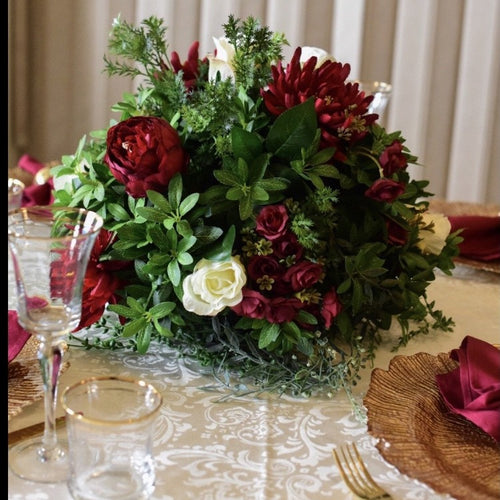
(50, 248)
(381, 92)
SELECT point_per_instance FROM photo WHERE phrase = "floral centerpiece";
(257, 216)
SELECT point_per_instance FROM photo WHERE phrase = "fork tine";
(356, 475)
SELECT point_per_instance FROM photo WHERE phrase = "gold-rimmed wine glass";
(50, 248)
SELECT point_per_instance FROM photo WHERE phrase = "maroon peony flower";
(144, 152)
(341, 108)
(303, 275)
(271, 222)
(100, 282)
(385, 190)
(254, 305)
(331, 307)
(190, 68)
(392, 159)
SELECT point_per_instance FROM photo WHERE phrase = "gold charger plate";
(25, 379)
(419, 435)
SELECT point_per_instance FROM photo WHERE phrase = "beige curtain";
(440, 55)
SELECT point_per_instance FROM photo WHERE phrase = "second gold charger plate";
(420, 436)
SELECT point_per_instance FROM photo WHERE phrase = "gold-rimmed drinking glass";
(50, 248)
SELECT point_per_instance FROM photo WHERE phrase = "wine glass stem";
(50, 358)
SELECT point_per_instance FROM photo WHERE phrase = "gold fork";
(356, 476)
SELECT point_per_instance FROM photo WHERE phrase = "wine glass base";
(25, 462)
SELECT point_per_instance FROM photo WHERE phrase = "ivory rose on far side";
(434, 229)
(214, 286)
(222, 60)
(321, 55)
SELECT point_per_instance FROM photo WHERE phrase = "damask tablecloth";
(210, 447)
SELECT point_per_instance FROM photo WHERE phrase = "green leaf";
(275, 184)
(223, 251)
(188, 203)
(175, 190)
(227, 178)
(268, 334)
(246, 145)
(151, 214)
(162, 309)
(293, 130)
(174, 272)
(245, 208)
(184, 259)
(186, 243)
(159, 201)
(134, 326)
(163, 331)
(144, 339)
(344, 286)
(118, 212)
(124, 311)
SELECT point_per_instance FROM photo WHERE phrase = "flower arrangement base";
(258, 218)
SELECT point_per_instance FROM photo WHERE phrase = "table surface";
(210, 447)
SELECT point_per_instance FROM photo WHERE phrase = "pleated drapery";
(441, 56)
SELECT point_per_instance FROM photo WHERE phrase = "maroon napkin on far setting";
(473, 388)
(18, 336)
(481, 236)
(36, 194)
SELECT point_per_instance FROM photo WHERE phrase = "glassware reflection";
(381, 92)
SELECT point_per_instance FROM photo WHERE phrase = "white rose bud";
(214, 286)
(322, 55)
(433, 238)
(222, 61)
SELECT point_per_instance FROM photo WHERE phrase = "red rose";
(392, 159)
(271, 222)
(331, 307)
(288, 246)
(144, 152)
(385, 190)
(254, 305)
(283, 310)
(396, 235)
(303, 275)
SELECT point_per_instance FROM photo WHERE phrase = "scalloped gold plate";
(25, 379)
(422, 438)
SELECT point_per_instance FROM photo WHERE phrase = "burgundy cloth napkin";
(36, 194)
(473, 388)
(18, 336)
(481, 236)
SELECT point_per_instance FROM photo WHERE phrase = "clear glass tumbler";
(110, 425)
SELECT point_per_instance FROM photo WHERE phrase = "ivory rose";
(434, 229)
(213, 286)
(221, 62)
(321, 55)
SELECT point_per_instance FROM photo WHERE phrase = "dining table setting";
(420, 429)
(238, 291)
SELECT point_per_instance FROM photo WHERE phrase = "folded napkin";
(18, 336)
(473, 388)
(481, 236)
(36, 194)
